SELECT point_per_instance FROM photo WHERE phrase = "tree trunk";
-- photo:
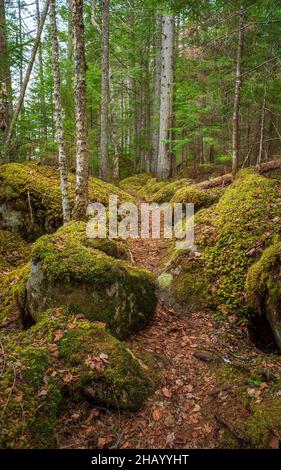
(27, 77)
(6, 106)
(104, 143)
(58, 113)
(41, 79)
(156, 93)
(163, 165)
(262, 129)
(82, 159)
(238, 85)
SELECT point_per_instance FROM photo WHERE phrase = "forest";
(130, 339)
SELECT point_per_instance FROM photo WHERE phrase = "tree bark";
(238, 85)
(156, 93)
(6, 105)
(82, 158)
(163, 165)
(104, 142)
(58, 113)
(259, 159)
(27, 77)
(41, 79)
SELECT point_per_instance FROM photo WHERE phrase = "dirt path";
(180, 414)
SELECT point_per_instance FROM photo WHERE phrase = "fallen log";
(227, 178)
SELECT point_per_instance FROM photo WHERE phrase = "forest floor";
(181, 413)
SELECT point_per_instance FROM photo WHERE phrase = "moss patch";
(263, 288)
(13, 250)
(63, 356)
(193, 195)
(168, 190)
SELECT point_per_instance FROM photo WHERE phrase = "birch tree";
(58, 113)
(104, 142)
(82, 159)
(237, 97)
(156, 92)
(27, 76)
(166, 97)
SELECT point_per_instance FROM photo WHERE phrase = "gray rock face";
(120, 305)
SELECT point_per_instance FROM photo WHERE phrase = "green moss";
(30, 198)
(168, 190)
(265, 419)
(151, 187)
(58, 357)
(12, 292)
(134, 183)
(255, 420)
(13, 249)
(66, 269)
(264, 278)
(193, 195)
(229, 235)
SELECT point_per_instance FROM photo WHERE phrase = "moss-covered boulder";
(61, 359)
(167, 191)
(68, 269)
(133, 184)
(263, 288)
(30, 198)
(230, 236)
(193, 195)
(148, 191)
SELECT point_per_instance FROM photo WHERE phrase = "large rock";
(57, 361)
(67, 270)
(230, 236)
(30, 198)
(263, 288)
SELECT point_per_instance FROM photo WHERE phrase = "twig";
(258, 245)
(30, 207)
(232, 430)
(8, 323)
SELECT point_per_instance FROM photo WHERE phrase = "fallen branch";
(232, 430)
(227, 178)
(8, 323)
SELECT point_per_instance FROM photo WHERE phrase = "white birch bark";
(238, 85)
(82, 159)
(104, 141)
(58, 113)
(27, 76)
(156, 94)
(163, 165)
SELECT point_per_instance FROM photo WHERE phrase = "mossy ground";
(63, 356)
(251, 404)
